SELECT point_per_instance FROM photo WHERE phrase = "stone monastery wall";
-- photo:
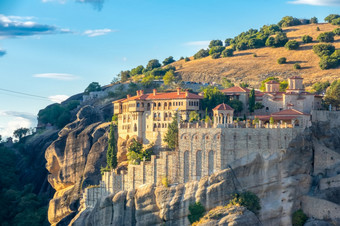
(202, 151)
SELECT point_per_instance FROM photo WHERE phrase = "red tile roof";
(289, 112)
(236, 89)
(223, 107)
(162, 96)
(295, 77)
(275, 117)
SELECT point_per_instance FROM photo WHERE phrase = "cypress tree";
(252, 100)
(111, 155)
(171, 136)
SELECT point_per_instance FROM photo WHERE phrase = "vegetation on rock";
(196, 212)
(299, 218)
(248, 200)
(111, 154)
(92, 87)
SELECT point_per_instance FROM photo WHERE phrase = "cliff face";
(280, 180)
(74, 160)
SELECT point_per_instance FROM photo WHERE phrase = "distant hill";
(244, 67)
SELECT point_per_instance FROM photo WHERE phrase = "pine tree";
(111, 155)
(171, 136)
(252, 100)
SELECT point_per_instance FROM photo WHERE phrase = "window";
(137, 104)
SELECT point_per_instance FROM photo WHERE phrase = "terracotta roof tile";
(223, 107)
(164, 96)
(236, 89)
(288, 112)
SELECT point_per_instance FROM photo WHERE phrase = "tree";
(283, 86)
(326, 37)
(152, 64)
(289, 21)
(147, 81)
(271, 121)
(186, 59)
(333, 94)
(336, 31)
(194, 116)
(314, 20)
(92, 87)
(111, 155)
(263, 83)
(214, 43)
(237, 105)
(331, 17)
(258, 105)
(323, 49)
(280, 39)
(0, 139)
(292, 45)
(21, 132)
(248, 200)
(171, 136)
(196, 212)
(216, 49)
(327, 62)
(226, 83)
(270, 42)
(215, 56)
(297, 66)
(282, 60)
(124, 75)
(137, 70)
(227, 42)
(244, 85)
(307, 39)
(134, 154)
(168, 60)
(212, 98)
(228, 52)
(201, 54)
(320, 87)
(252, 100)
(169, 78)
(336, 21)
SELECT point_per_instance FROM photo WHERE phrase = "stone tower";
(295, 85)
(272, 86)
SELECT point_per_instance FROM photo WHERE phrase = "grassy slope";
(244, 67)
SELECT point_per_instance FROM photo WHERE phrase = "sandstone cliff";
(74, 160)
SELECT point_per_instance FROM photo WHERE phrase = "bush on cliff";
(248, 200)
(196, 212)
(299, 218)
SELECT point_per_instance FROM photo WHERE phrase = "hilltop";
(244, 67)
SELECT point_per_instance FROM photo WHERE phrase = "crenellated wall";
(202, 151)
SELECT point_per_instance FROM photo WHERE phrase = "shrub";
(168, 60)
(331, 17)
(242, 45)
(326, 37)
(216, 49)
(201, 54)
(228, 53)
(282, 60)
(292, 45)
(254, 55)
(307, 39)
(196, 212)
(215, 55)
(320, 87)
(227, 42)
(333, 94)
(289, 21)
(181, 58)
(165, 182)
(215, 43)
(299, 218)
(314, 20)
(336, 31)
(323, 49)
(327, 62)
(317, 29)
(280, 39)
(297, 66)
(137, 70)
(92, 87)
(270, 42)
(248, 200)
(336, 21)
(152, 64)
(186, 59)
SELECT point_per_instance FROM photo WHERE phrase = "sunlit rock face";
(74, 160)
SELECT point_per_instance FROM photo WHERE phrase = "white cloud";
(58, 98)
(317, 2)
(198, 43)
(57, 76)
(97, 32)
(125, 59)
(12, 120)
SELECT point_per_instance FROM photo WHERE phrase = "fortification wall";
(202, 151)
(327, 116)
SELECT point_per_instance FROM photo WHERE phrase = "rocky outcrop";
(234, 215)
(74, 160)
(280, 180)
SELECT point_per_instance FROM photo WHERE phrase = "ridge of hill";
(244, 67)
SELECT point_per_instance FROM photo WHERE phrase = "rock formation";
(74, 161)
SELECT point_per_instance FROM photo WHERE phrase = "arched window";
(154, 116)
(198, 165)
(138, 104)
(211, 162)
(186, 166)
(159, 104)
(159, 125)
(135, 128)
(169, 104)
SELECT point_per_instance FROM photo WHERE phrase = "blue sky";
(55, 48)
